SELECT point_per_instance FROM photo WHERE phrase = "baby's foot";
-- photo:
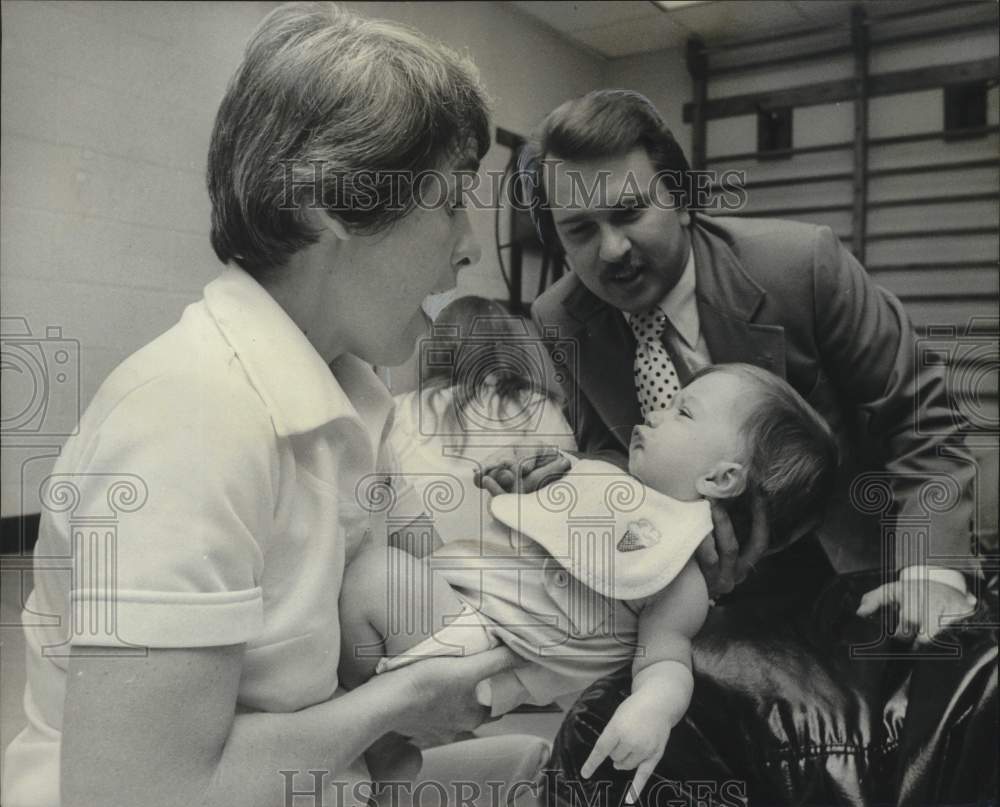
(393, 758)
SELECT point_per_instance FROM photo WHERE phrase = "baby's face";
(700, 429)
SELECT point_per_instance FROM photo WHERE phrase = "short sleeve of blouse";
(179, 563)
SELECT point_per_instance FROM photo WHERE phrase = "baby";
(597, 568)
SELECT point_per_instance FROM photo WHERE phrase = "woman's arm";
(163, 728)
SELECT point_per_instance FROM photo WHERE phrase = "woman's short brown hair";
(332, 110)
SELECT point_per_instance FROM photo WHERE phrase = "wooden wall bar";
(828, 92)
(862, 88)
(918, 205)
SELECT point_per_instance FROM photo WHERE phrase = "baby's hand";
(527, 471)
(926, 607)
(634, 739)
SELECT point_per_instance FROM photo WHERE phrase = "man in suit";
(609, 184)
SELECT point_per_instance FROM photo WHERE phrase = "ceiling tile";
(567, 16)
(615, 29)
(634, 36)
(730, 19)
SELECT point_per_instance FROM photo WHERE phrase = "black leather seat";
(798, 701)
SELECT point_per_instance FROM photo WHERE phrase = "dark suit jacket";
(788, 297)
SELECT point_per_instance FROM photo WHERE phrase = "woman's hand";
(441, 693)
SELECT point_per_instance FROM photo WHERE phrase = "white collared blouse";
(211, 497)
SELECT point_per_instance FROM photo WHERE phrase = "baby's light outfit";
(559, 575)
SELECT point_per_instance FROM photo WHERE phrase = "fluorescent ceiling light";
(673, 5)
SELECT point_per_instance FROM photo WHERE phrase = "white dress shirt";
(681, 309)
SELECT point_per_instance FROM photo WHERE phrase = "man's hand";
(524, 475)
(926, 607)
(634, 739)
(719, 555)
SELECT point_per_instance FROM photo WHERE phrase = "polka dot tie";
(656, 381)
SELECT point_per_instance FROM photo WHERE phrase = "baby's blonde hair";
(791, 453)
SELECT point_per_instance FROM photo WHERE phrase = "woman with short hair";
(194, 657)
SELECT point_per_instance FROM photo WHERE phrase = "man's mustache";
(611, 270)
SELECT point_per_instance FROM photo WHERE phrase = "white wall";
(663, 78)
(107, 110)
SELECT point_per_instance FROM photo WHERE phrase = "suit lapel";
(607, 353)
(728, 300)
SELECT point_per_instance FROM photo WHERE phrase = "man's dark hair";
(602, 123)
(791, 453)
(605, 123)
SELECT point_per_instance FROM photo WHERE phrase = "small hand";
(926, 607)
(634, 739)
(542, 469)
(524, 475)
(719, 555)
(496, 479)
